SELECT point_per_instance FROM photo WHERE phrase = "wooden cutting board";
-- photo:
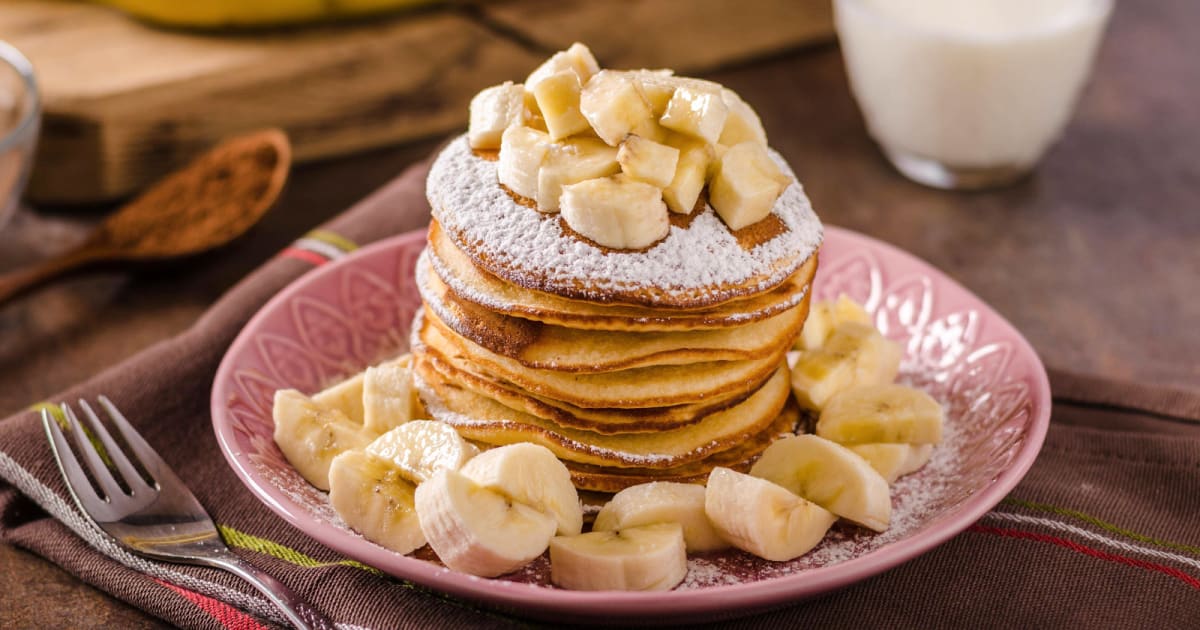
(125, 102)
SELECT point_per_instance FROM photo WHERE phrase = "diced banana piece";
(388, 396)
(614, 105)
(616, 212)
(420, 448)
(696, 112)
(658, 86)
(823, 317)
(763, 518)
(651, 130)
(492, 111)
(557, 97)
(476, 530)
(570, 162)
(310, 435)
(893, 461)
(830, 475)
(855, 354)
(578, 59)
(648, 161)
(522, 151)
(745, 184)
(375, 500)
(662, 502)
(646, 558)
(691, 172)
(531, 475)
(346, 397)
(882, 413)
(742, 124)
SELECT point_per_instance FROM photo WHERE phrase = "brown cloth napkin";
(1104, 532)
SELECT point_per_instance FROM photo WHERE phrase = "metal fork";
(157, 517)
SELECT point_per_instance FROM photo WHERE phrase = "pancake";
(740, 458)
(603, 421)
(485, 420)
(699, 264)
(469, 284)
(549, 347)
(656, 386)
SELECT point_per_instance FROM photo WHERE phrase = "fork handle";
(298, 613)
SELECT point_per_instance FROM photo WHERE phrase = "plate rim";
(533, 599)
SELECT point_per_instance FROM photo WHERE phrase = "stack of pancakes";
(631, 366)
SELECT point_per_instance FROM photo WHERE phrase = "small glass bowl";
(20, 119)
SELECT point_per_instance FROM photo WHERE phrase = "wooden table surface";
(1096, 257)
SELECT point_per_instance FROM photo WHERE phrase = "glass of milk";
(20, 117)
(965, 94)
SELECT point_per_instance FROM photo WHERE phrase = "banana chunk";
(648, 161)
(824, 317)
(855, 354)
(893, 461)
(531, 475)
(522, 151)
(557, 98)
(614, 105)
(696, 112)
(492, 111)
(374, 499)
(742, 124)
(420, 448)
(691, 173)
(745, 185)
(571, 162)
(882, 413)
(388, 398)
(616, 212)
(762, 518)
(646, 558)
(830, 475)
(346, 397)
(310, 435)
(578, 59)
(476, 530)
(662, 502)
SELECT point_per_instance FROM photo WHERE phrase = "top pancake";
(700, 263)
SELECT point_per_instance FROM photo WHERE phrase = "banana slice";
(646, 558)
(570, 162)
(742, 124)
(893, 461)
(346, 397)
(745, 184)
(578, 59)
(310, 435)
(476, 530)
(662, 502)
(830, 475)
(760, 517)
(855, 354)
(375, 500)
(522, 151)
(420, 448)
(696, 112)
(882, 413)
(648, 161)
(823, 317)
(614, 105)
(530, 474)
(616, 212)
(557, 97)
(388, 397)
(492, 111)
(691, 172)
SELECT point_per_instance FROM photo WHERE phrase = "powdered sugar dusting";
(468, 201)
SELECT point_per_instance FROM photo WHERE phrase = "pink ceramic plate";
(349, 314)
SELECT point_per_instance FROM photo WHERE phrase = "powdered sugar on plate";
(470, 204)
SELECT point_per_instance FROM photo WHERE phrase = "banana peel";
(250, 14)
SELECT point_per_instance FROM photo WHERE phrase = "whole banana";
(218, 14)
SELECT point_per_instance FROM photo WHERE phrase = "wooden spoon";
(206, 204)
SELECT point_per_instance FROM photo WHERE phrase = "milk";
(968, 84)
